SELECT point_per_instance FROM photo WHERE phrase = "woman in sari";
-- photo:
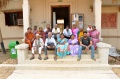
(62, 47)
(75, 30)
(29, 37)
(73, 45)
(80, 34)
(95, 36)
(41, 33)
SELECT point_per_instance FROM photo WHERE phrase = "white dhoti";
(39, 50)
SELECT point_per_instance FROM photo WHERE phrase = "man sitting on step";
(86, 44)
(38, 45)
(50, 43)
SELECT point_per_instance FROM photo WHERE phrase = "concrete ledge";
(103, 45)
(101, 39)
(103, 51)
(22, 51)
(22, 46)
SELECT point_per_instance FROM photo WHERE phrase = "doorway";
(60, 16)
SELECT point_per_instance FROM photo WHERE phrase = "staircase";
(66, 63)
(65, 68)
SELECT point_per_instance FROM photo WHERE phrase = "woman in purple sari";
(75, 30)
(73, 45)
(95, 36)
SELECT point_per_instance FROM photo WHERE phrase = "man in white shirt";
(38, 45)
(56, 32)
(50, 43)
(67, 32)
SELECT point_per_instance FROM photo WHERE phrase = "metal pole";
(1, 43)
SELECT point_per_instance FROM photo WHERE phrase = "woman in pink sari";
(75, 30)
(95, 36)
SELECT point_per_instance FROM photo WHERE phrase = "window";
(13, 18)
(60, 21)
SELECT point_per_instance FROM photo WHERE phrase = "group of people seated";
(69, 42)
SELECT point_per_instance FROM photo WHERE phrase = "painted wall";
(40, 15)
(112, 32)
(37, 13)
(12, 32)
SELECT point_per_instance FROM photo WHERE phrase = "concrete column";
(103, 51)
(26, 14)
(97, 12)
(22, 51)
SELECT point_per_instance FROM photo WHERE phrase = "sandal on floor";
(40, 58)
(55, 58)
(94, 59)
(78, 59)
(32, 57)
(45, 58)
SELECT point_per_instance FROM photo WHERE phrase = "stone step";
(62, 61)
(63, 67)
(51, 56)
(86, 59)
(38, 74)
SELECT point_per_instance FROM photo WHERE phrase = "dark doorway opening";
(62, 12)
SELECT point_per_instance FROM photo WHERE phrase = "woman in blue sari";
(62, 47)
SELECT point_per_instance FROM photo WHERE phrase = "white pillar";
(26, 14)
(22, 51)
(98, 11)
(103, 51)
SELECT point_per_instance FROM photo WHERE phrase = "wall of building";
(11, 33)
(83, 6)
(114, 41)
(37, 13)
(40, 15)
(41, 11)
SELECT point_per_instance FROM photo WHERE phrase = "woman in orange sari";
(29, 37)
(42, 33)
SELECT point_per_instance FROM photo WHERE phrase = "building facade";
(104, 14)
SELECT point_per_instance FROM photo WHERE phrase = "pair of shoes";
(55, 58)
(32, 57)
(40, 58)
(45, 58)
(79, 59)
(94, 59)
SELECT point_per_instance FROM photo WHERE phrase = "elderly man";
(56, 32)
(86, 44)
(67, 32)
(50, 44)
(38, 45)
(89, 28)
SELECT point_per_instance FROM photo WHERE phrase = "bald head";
(49, 34)
(55, 25)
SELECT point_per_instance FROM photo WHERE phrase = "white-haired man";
(38, 45)
(89, 28)
(50, 43)
(56, 32)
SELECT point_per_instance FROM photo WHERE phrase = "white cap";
(37, 34)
